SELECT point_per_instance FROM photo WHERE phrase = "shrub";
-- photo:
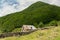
(17, 30)
(58, 23)
(36, 25)
(53, 23)
(41, 25)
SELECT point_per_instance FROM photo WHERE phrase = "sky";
(11, 6)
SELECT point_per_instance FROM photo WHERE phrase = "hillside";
(49, 34)
(33, 15)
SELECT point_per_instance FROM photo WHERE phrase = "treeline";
(37, 14)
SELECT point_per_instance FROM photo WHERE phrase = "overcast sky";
(10, 6)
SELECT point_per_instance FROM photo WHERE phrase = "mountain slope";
(33, 15)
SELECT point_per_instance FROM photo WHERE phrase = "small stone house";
(27, 28)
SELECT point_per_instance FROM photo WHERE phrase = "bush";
(36, 25)
(58, 23)
(17, 30)
(41, 25)
(53, 23)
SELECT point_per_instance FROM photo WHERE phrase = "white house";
(26, 28)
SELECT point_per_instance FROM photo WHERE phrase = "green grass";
(58, 38)
(49, 34)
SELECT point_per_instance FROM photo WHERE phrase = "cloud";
(56, 2)
(11, 6)
(8, 7)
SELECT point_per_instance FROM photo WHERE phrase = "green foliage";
(41, 25)
(33, 15)
(17, 30)
(53, 23)
(58, 23)
(36, 25)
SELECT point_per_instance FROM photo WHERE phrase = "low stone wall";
(15, 34)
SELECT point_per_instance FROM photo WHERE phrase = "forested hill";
(33, 15)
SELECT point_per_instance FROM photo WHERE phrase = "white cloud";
(7, 9)
(56, 2)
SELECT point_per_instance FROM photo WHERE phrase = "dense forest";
(39, 13)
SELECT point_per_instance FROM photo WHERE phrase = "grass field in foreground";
(47, 34)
